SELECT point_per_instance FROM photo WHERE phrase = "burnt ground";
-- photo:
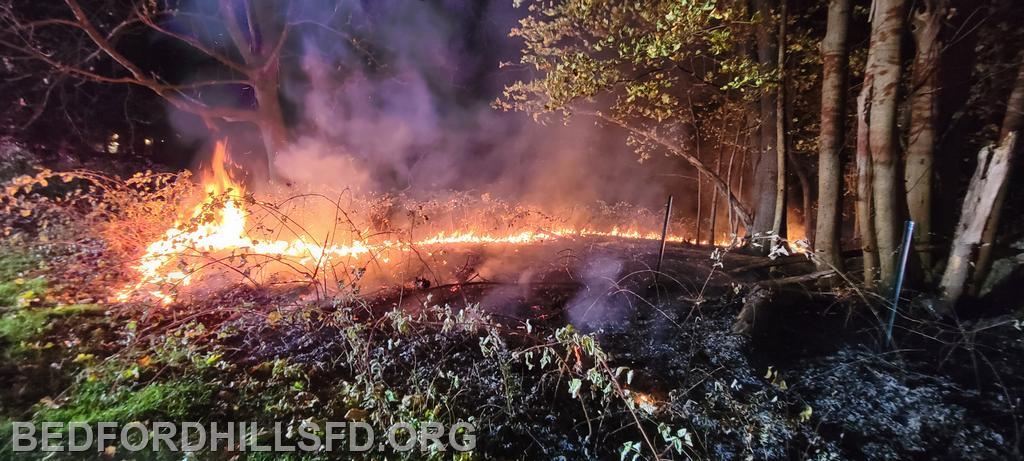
(809, 378)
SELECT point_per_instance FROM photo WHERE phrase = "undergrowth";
(677, 387)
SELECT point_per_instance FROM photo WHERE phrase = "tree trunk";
(258, 39)
(833, 110)
(766, 168)
(271, 123)
(778, 224)
(989, 178)
(714, 199)
(696, 226)
(1013, 121)
(868, 243)
(923, 114)
(886, 29)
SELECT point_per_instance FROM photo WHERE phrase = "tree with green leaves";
(649, 68)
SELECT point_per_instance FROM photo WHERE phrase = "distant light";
(113, 146)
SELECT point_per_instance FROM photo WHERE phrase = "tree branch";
(235, 31)
(146, 19)
(650, 135)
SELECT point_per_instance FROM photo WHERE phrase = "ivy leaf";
(574, 387)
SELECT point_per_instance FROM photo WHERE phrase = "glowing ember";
(645, 402)
(222, 229)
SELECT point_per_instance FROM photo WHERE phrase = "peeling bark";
(886, 29)
(868, 244)
(1013, 121)
(918, 169)
(830, 145)
(989, 178)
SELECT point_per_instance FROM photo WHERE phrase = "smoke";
(409, 110)
(599, 302)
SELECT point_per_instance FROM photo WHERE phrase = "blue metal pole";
(908, 233)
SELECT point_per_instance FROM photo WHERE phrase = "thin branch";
(145, 18)
(235, 31)
(741, 211)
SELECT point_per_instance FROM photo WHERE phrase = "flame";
(645, 402)
(222, 227)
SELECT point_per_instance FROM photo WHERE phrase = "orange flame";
(221, 227)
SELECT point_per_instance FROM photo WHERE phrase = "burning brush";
(231, 233)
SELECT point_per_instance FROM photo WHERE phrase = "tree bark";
(918, 170)
(271, 124)
(868, 242)
(1013, 121)
(989, 178)
(259, 40)
(714, 198)
(778, 224)
(830, 145)
(700, 217)
(766, 168)
(886, 29)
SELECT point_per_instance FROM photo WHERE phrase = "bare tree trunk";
(766, 168)
(1013, 121)
(696, 227)
(739, 185)
(989, 178)
(271, 124)
(923, 115)
(780, 128)
(886, 28)
(259, 43)
(833, 111)
(868, 243)
(728, 181)
(714, 198)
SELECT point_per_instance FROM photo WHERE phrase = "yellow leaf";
(26, 213)
(806, 414)
(273, 318)
(145, 360)
(80, 358)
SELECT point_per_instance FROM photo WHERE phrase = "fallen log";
(765, 294)
(768, 263)
(798, 278)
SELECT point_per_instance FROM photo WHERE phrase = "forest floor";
(590, 359)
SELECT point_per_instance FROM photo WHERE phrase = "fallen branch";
(798, 278)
